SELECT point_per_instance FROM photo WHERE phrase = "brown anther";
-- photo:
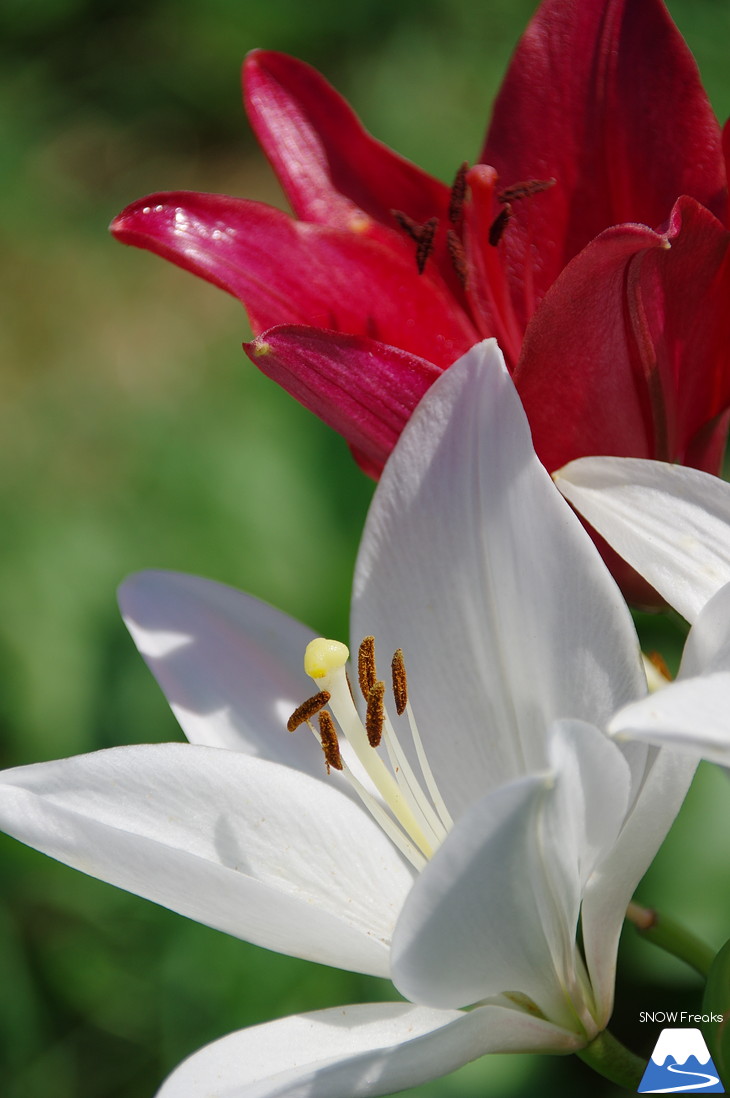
(524, 190)
(307, 709)
(457, 255)
(425, 242)
(328, 738)
(458, 194)
(407, 224)
(499, 225)
(400, 683)
(375, 715)
(366, 672)
(422, 234)
(658, 661)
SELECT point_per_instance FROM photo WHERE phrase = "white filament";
(415, 818)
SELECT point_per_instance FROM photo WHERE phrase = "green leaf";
(716, 1004)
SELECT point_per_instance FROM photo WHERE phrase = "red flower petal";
(578, 374)
(365, 390)
(604, 96)
(292, 272)
(629, 353)
(324, 158)
(330, 167)
(688, 325)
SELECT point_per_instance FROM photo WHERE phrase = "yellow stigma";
(323, 657)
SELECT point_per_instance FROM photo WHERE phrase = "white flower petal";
(671, 523)
(247, 846)
(356, 1051)
(229, 665)
(472, 926)
(474, 565)
(497, 908)
(611, 886)
(589, 802)
(689, 715)
(708, 644)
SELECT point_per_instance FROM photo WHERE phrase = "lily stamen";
(307, 710)
(328, 739)
(414, 817)
(400, 682)
(366, 672)
(457, 255)
(524, 190)
(375, 716)
(458, 194)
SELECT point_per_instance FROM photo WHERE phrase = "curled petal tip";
(139, 215)
(118, 225)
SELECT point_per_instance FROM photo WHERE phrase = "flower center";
(409, 809)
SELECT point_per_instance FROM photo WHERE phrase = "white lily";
(672, 524)
(463, 870)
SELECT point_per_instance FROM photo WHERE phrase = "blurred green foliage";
(134, 433)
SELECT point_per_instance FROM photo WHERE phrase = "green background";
(134, 433)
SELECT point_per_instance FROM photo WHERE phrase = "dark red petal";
(365, 390)
(629, 353)
(726, 149)
(325, 160)
(604, 96)
(491, 283)
(706, 449)
(289, 272)
(686, 291)
(579, 376)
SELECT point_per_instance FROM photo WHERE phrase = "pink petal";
(363, 389)
(289, 272)
(604, 96)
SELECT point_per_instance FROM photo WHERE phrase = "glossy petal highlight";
(296, 272)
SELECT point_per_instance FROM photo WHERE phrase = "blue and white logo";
(681, 1061)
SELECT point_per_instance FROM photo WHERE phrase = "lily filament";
(410, 809)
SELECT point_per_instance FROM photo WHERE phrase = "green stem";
(672, 937)
(613, 1061)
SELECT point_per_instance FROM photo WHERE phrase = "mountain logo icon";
(681, 1062)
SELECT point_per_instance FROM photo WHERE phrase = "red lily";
(590, 238)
